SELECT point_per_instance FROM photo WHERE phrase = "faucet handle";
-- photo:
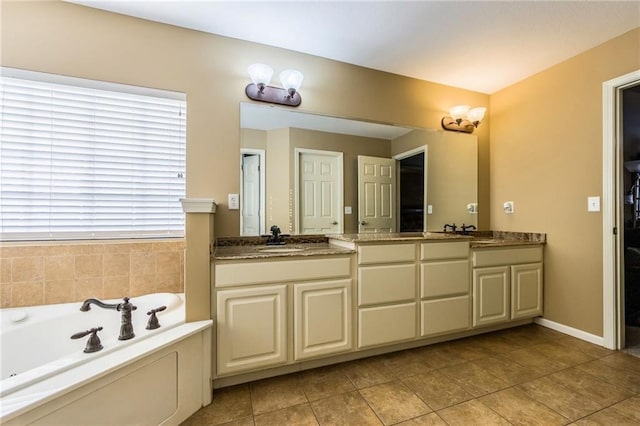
(93, 343)
(153, 322)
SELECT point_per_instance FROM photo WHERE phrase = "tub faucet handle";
(153, 319)
(93, 343)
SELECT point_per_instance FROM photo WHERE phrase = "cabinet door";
(491, 295)
(440, 316)
(251, 328)
(322, 318)
(526, 290)
(386, 324)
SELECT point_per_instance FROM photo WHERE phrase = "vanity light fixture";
(260, 90)
(463, 119)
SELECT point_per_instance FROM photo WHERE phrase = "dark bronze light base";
(272, 95)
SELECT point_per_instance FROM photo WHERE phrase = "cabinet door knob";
(335, 222)
(363, 222)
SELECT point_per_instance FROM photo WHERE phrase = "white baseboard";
(574, 332)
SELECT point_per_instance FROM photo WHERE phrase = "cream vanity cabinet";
(386, 293)
(507, 284)
(444, 288)
(272, 312)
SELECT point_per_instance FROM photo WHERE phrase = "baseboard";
(574, 332)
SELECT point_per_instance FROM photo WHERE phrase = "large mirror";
(315, 174)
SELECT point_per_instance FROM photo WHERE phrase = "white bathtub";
(40, 363)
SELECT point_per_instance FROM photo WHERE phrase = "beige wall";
(73, 40)
(546, 156)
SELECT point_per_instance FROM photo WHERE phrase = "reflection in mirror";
(300, 171)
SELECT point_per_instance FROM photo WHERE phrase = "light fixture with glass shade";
(259, 89)
(463, 119)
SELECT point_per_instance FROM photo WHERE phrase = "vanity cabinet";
(444, 288)
(275, 312)
(507, 284)
(387, 304)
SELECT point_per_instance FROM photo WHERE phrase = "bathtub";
(44, 373)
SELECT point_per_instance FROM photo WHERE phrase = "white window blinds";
(81, 159)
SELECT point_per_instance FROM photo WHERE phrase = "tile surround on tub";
(61, 272)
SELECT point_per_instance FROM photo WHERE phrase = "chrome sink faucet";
(126, 327)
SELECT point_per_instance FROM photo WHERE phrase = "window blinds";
(81, 159)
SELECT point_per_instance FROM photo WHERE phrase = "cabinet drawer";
(444, 278)
(445, 315)
(386, 324)
(510, 256)
(448, 250)
(386, 253)
(247, 273)
(386, 284)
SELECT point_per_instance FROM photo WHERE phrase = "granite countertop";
(399, 236)
(491, 239)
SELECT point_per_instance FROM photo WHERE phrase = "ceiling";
(476, 45)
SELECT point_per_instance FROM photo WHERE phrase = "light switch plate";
(429, 209)
(508, 207)
(234, 202)
(347, 209)
(593, 204)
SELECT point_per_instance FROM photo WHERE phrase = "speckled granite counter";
(239, 248)
(398, 236)
(491, 239)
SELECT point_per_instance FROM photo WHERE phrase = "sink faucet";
(453, 227)
(465, 228)
(126, 327)
(277, 237)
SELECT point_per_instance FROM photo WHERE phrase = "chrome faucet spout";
(86, 305)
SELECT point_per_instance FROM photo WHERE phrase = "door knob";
(363, 223)
(335, 222)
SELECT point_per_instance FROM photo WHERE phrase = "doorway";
(621, 137)
(252, 190)
(411, 192)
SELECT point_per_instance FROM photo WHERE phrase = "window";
(82, 159)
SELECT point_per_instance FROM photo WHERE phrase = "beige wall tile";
(169, 283)
(116, 287)
(143, 263)
(89, 265)
(143, 284)
(140, 247)
(5, 270)
(27, 269)
(27, 293)
(88, 248)
(89, 287)
(5, 295)
(20, 251)
(169, 245)
(58, 268)
(116, 264)
(168, 262)
(60, 291)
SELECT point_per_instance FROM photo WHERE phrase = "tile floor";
(528, 375)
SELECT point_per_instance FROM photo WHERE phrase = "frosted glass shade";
(291, 80)
(260, 74)
(459, 111)
(475, 115)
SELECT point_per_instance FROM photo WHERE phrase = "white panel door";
(320, 187)
(250, 195)
(376, 194)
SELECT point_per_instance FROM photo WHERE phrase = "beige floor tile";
(471, 412)
(406, 363)
(276, 393)
(344, 409)
(591, 387)
(519, 409)
(469, 350)
(228, 404)
(507, 370)
(439, 357)
(475, 380)
(240, 422)
(606, 417)
(623, 361)
(630, 408)
(625, 378)
(298, 415)
(324, 382)
(581, 345)
(431, 419)
(393, 402)
(562, 353)
(498, 344)
(531, 357)
(437, 390)
(368, 372)
(559, 398)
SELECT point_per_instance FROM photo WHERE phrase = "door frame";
(261, 154)
(421, 149)
(613, 298)
(296, 184)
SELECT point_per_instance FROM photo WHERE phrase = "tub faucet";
(126, 327)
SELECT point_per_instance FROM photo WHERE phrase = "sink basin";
(279, 250)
